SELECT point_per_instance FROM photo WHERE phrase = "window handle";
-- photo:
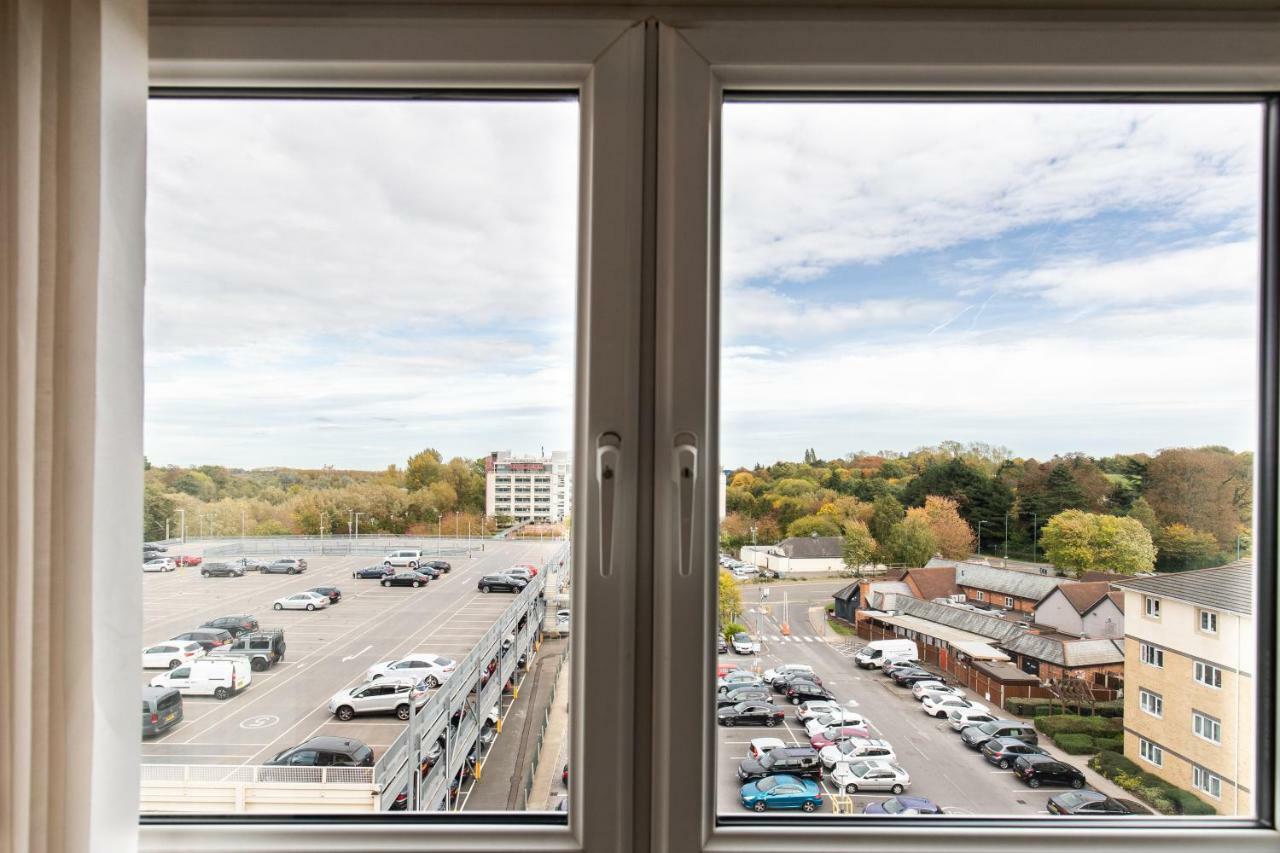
(686, 473)
(608, 456)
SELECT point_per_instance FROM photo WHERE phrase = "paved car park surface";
(942, 768)
(327, 650)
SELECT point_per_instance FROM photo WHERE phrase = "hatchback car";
(975, 736)
(735, 679)
(1003, 751)
(422, 666)
(857, 749)
(782, 792)
(817, 708)
(869, 775)
(1093, 803)
(375, 572)
(325, 751)
(301, 601)
(800, 761)
(334, 594)
(743, 693)
(163, 564)
(839, 717)
(836, 734)
(388, 696)
(1037, 770)
(742, 644)
(221, 570)
(234, 625)
(412, 579)
(208, 638)
(750, 714)
(903, 806)
(439, 565)
(760, 745)
(171, 654)
(786, 669)
(801, 691)
(963, 718)
(500, 583)
(941, 706)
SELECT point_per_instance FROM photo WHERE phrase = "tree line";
(1181, 508)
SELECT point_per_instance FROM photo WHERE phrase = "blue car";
(782, 792)
(903, 806)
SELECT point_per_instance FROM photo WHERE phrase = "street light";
(980, 523)
(183, 525)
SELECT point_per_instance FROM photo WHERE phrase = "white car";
(870, 775)
(160, 564)
(743, 644)
(961, 718)
(386, 696)
(410, 558)
(786, 669)
(518, 572)
(842, 717)
(939, 694)
(171, 654)
(857, 749)
(816, 708)
(302, 601)
(744, 571)
(922, 687)
(940, 706)
(761, 745)
(420, 666)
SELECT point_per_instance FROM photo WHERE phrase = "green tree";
(858, 545)
(729, 605)
(911, 543)
(423, 469)
(977, 495)
(814, 525)
(157, 508)
(1145, 515)
(953, 538)
(885, 513)
(197, 484)
(1077, 542)
(1181, 548)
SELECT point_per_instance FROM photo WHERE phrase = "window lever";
(685, 469)
(608, 457)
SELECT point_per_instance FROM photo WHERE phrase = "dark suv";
(286, 566)
(1037, 770)
(792, 760)
(325, 751)
(208, 638)
(438, 565)
(234, 625)
(222, 570)
(975, 736)
(803, 691)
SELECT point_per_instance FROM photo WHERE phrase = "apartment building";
(528, 488)
(1188, 674)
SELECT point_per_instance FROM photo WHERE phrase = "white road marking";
(357, 654)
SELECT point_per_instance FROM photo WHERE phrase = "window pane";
(988, 396)
(360, 316)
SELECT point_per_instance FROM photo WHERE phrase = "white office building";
(528, 488)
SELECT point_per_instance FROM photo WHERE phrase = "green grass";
(839, 627)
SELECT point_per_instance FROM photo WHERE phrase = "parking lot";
(328, 649)
(942, 768)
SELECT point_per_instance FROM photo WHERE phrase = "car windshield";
(894, 807)
(767, 784)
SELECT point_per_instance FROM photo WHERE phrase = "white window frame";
(1151, 703)
(1200, 673)
(979, 595)
(1203, 781)
(1212, 615)
(599, 58)
(1151, 655)
(1150, 752)
(700, 61)
(1008, 601)
(1202, 722)
(1151, 606)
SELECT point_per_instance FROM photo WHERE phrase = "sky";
(345, 283)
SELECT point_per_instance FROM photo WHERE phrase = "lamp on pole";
(182, 525)
(242, 525)
(1006, 536)
(1035, 535)
(980, 523)
(357, 516)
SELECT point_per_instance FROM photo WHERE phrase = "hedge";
(1059, 724)
(1039, 706)
(1109, 744)
(1075, 744)
(1154, 791)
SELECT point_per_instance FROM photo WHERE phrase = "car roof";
(334, 743)
(1039, 759)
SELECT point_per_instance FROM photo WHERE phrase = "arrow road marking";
(357, 654)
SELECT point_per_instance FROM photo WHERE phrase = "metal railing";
(340, 546)
(250, 774)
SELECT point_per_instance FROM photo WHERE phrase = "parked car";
(406, 557)
(963, 718)
(806, 711)
(781, 792)
(792, 760)
(903, 806)
(500, 583)
(208, 638)
(188, 560)
(263, 649)
(760, 745)
(836, 734)
(786, 669)
(743, 644)
(841, 717)
(386, 696)
(377, 572)
(975, 736)
(171, 654)
(235, 625)
(153, 547)
(221, 570)
(1093, 803)
(334, 594)
(889, 667)
(220, 678)
(428, 571)
(519, 572)
(722, 645)
(782, 682)
(439, 565)
(301, 601)
(869, 775)
(933, 685)
(743, 693)
(252, 564)
(1037, 770)
(161, 710)
(162, 564)
(941, 706)
(412, 579)
(753, 713)
(325, 751)
(1003, 751)
(286, 566)
(856, 749)
(878, 652)
(421, 666)
(800, 691)
(908, 677)
(735, 679)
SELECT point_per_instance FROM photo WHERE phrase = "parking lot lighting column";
(182, 524)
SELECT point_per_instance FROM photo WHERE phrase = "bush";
(1110, 744)
(1154, 791)
(1039, 707)
(1075, 744)
(733, 628)
(1077, 725)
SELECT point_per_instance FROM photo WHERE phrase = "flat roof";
(933, 629)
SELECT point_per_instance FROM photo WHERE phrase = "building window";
(1008, 602)
(1150, 655)
(1151, 703)
(980, 595)
(1206, 782)
(1152, 607)
(1208, 621)
(1206, 727)
(1150, 753)
(1208, 674)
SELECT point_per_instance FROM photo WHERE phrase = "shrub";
(1075, 744)
(1039, 706)
(1110, 744)
(733, 628)
(1062, 724)
(1154, 791)
(1189, 803)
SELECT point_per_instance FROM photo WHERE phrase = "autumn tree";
(952, 535)
(729, 606)
(1208, 489)
(423, 469)
(858, 545)
(1078, 542)
(885, 513)
(814, 525)
(1181, 548)
(911, 542)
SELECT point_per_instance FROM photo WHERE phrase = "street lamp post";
(182, 525)
(357, 515)
(980, 523)
(1035, 535)
(1006, 536)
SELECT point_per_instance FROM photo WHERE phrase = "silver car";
(854, 776)
(386, 696)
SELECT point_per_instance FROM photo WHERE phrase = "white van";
(408, 558)
(876, 652)
(216, 677)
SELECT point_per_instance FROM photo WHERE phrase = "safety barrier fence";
(536, 759)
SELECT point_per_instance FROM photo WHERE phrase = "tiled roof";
(1005, 582)
(933, 582)
(1068, 653)
(1228, 587)
(811, 547)
(1081, 596)
(958, 617)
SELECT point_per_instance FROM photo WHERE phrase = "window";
(1151, 703)
(980, 595)
(1206, 782)
(1208, 674)
(1008, 602)
(1206, 727)
(1151, 753)
(1208, 621)
(1152, 606)
(1150, 655)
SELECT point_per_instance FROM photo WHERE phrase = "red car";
(188, 561)
(837, 734)
(533, 570)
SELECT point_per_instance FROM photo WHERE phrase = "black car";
(378, 572)
(743, 693)
(1093, 802)
(412, 579)
(208, 638)
(428, 570)
(782, 682)
(802, 691)
(500, 583)
(234, 625)
(750, 714)
(1037, 770)
(908, 677)
(792, 760)
(335, 594)
(1003, 751)
(325, 751)
(438, 565)
(221, 570)
(150, 548)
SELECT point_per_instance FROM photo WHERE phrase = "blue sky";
(346, 283)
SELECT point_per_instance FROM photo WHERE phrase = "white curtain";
(73, 79)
